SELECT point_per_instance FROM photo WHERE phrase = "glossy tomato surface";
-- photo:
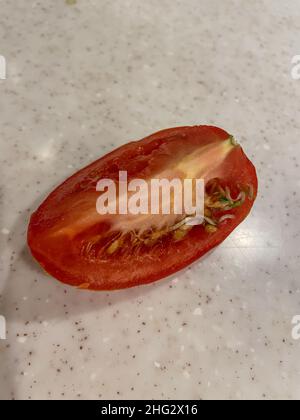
(78, 246)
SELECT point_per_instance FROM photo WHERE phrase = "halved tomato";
(78, 246)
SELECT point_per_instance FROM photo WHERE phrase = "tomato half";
(78, 246)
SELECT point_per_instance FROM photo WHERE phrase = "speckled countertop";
(85, 78)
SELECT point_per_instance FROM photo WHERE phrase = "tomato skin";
(61, 256)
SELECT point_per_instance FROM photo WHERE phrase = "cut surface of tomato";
(80, 247)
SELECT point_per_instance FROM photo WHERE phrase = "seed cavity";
(218, 201)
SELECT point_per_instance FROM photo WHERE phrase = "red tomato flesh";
(77, 246)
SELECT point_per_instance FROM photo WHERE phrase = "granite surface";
(86, 77)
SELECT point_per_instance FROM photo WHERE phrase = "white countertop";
(85, 78)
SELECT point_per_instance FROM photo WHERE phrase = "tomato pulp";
(78, 246)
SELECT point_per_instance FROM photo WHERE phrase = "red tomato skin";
(60, 259)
